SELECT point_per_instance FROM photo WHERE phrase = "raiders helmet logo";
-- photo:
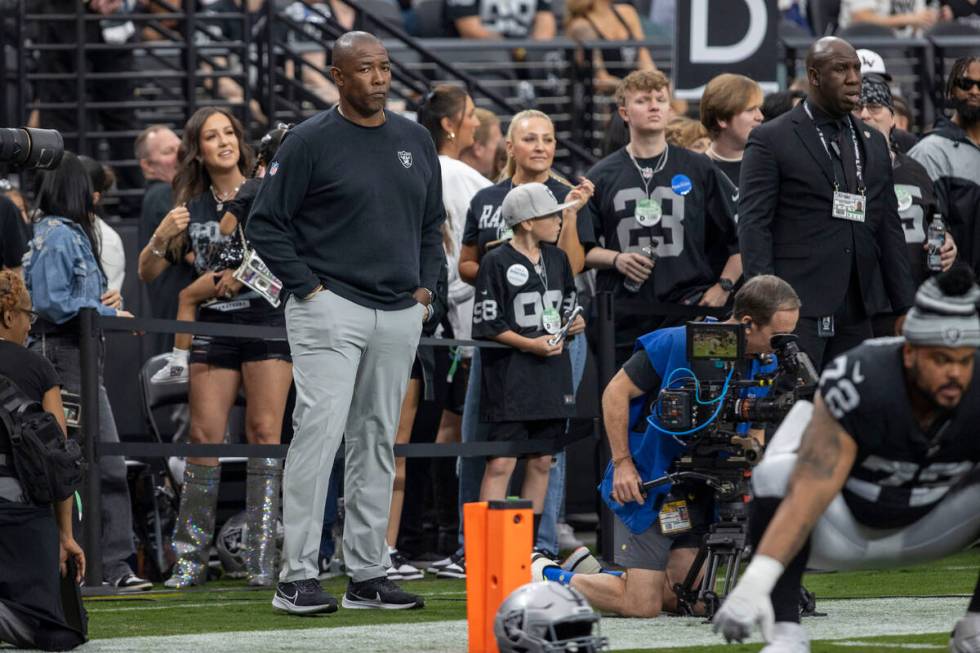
(405, 158)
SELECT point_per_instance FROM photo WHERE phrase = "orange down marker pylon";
(498, 545)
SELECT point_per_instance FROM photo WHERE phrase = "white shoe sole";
(286, 606)
(453, 575)
(133, 589)
(350, 604)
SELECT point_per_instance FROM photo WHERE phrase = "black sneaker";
(130, 582)
(455, 569)
(379, 593)
(303, 597)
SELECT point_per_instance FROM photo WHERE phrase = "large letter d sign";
(703, 53)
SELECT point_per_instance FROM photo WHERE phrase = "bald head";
(833, 70)
(351, 44)
(826, 47)
(362, 72)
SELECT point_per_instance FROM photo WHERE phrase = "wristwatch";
(726, 284)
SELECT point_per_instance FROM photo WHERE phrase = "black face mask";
(969, 114)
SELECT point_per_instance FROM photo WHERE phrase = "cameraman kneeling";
(31, 549)
(766, 305)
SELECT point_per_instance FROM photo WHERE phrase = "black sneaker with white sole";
(303, 597)
(379, 594)
(455, 569)
(130, 582)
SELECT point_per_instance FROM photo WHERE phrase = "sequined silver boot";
(262, 500)
(195, 525)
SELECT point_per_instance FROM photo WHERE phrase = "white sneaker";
(540, 562)
(402, 569)
(566, 537)
(439, 565)
(788, 637)
(175, 371)
(581, 561)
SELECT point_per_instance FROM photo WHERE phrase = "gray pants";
(117, 511)
(351, 366)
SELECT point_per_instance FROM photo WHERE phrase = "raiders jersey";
(916, 194)
(901, 472)
(484, 225)
(513, 294)
(693, 239)
(512, 19)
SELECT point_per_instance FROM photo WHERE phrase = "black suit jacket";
(785, 225)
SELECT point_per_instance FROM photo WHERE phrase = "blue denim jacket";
(61, 272)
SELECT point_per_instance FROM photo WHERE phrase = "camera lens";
(29, 148)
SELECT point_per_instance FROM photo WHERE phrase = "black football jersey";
(484, 224)
(913, 182)
(900, 472)
(512, 295)
(694, 238)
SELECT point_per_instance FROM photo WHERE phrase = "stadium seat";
(824, 15)
(387, 12)
(858, 30)
(429, 19)
(789, 29)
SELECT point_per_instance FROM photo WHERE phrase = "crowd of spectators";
(654, 221)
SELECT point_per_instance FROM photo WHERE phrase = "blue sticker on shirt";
(681, 184)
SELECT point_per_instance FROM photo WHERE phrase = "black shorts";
(230, 353)
(456, 391)
(540, 429)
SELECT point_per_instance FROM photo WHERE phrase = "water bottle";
(935, 238)
(634, 286)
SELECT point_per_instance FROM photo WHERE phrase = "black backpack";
(49, 466)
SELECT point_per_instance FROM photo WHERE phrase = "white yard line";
(850, 620)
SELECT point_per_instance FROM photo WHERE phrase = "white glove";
(966, 634)
(749, 604)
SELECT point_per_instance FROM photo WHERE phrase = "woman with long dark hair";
(213, 164)
(63, 275)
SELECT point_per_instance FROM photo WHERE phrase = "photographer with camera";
(34, 539)
(655, 560)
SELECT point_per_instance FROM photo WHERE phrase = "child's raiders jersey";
(688, 221)
(901, 472)
(484, 225)
(513, 294)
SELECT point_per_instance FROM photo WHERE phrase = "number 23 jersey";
(901, 472)
(512, 294)
(696, 233)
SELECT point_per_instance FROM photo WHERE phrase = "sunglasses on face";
(966, 83)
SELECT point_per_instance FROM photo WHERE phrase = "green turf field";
(230, 607)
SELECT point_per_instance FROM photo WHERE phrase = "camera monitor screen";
(715, 341)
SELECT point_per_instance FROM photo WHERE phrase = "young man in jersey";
(917, 201)
(660, 226)
(878, 471)
(524, 288)
(731, 107)
(656, 561)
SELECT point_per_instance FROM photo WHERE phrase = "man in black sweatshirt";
(349, 217)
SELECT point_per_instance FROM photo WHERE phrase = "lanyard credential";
(854, 141)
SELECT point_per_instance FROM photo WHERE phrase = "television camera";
(28, 148)
(724, 395)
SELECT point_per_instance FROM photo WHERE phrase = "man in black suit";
(822, 212)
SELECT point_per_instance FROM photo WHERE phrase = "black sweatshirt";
(356, 208)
